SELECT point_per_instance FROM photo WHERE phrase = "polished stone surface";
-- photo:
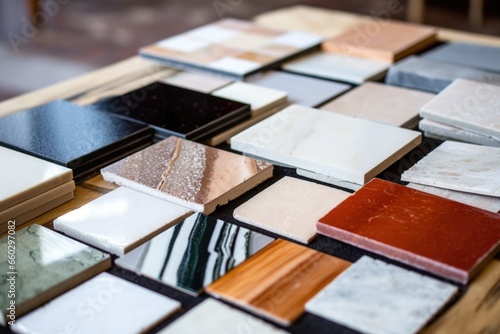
(318, 141)
(328, 179)
(190, 174)
(290, 207)
(459, 166)
(202, 83)
(194, 253)
(120, 220)
(103, 304)
(379, 298)
(444, 237)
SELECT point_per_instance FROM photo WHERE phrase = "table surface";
(135, 72)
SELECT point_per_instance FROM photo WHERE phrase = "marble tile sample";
(317, 140)
(194, 253)
(290, 207)
(260, 99)
(375, 297)
(488, 203)
(276, 282)
(213, 316)
(72, 136)
(468, 105)
(328, 179)
(23, 177)
(459, 166)
(336, 67)
(444, 132)
(306, 91)
(103, 304)
(231, 47)
(47, 264)
(202, 83)
(189, 174)
(432, 76)
(382, 103)
(477, 311)
(444, 237)
(482, 57)
(391, 42)
(177, 111)
(121, 220)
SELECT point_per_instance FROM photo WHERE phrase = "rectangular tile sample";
(445, 132)
(202, 83)
(231, 47)
(277, 282)
(459, 166)
(103, 304)
(47, 264)
(432, 76)
(72, 136)
(482, 57)
(336, 67)
(487, 203)
(468, 105)
(477, 311)
(23, 177)
(317, 140)
(390, 42)
(290, 207)
(444, 237)
(190, 174)
(194, 253)
(306, 91)
(177, 111)
(375, 297)
(212, 316)
(328, 179)
(381, 103)
(121, 220)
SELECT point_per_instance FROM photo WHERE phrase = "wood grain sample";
(278, 281)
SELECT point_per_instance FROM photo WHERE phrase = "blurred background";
(77, 36)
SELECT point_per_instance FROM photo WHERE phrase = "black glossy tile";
(70, 135)
(177, 111)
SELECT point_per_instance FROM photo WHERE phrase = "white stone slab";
(328, 179)
(203, 83)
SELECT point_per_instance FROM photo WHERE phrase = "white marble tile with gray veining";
(443, 132)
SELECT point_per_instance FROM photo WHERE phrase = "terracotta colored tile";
(387, 41)
(279, 280)
(447, 238)
(187, 173)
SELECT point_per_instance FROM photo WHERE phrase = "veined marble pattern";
(47, 264)
(190, 174)
(212, 316)
(194, 253)
(290, 207)
(459, 166)
(198, 82)
(327, 143)
(120, 220)
(103, 304)
(378, 298)
(469, 105)
(444, 132)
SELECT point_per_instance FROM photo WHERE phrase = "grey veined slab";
(194, 253)
(120, 220)
(46, 265)
(212, 316)
(103, 304)
(443, 132)
(340, 146)
(459, 166)
(378, 298)
(203, 83)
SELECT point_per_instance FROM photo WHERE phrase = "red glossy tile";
(447, 238)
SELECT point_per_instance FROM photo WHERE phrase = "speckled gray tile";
(375, 297)
(443, 132)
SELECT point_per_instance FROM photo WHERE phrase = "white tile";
(375, 297)
(337, 67)
(459, 166)
(328, 179)
(120, 220)
(197, 82)
(234, 65)
(213, 33)
(183, 43)
(103, 304)
(335, 145)
(298, 39)
(290, 207)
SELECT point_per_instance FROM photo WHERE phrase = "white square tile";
(298, 39)
(234, 65)
(183, 43)
(213, 33)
